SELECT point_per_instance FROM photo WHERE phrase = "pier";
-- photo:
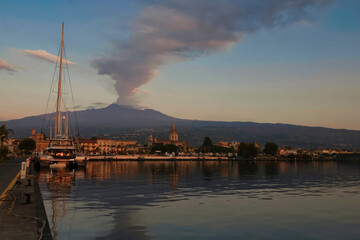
(22, 212)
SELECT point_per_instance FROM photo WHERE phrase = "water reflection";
(160, 199)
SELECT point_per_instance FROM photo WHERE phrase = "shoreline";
(206, 158)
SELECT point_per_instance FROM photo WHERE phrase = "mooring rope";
(11, 213)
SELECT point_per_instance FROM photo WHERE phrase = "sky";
(274, 61)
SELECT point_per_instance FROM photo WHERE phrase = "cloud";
(4, 65)
(144, 92)
(77, 107)
(99, 104)
(136, 90)
(43, 55)
(96, 105)
(179, 30)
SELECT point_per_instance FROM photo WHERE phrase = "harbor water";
(204, 200)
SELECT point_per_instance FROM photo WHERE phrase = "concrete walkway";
(8, 170)
(19, 218)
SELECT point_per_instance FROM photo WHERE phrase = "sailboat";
(61, 149)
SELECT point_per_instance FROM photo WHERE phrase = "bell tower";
(174, 136)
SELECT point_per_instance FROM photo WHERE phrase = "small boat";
(61, 149)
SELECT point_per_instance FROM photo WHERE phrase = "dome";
(173, 130)
(174, 134)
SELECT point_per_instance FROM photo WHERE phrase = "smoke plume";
(177, 30)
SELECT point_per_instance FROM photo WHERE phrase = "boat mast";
(67, 124)
(58, 130)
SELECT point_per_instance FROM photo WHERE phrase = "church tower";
(150, 141)
(174, 134)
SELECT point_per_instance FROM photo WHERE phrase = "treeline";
(246, 150)
(249, 150)
(208, 147)
(164, 148)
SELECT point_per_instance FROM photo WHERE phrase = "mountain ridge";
(129, 123)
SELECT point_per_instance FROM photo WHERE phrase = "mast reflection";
(59, 182)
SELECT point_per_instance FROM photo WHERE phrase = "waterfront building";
(321, 151)
(223, 144)
(235, 145)
(288, 151)
(88, 146)
(109, 146)
(11, 144)
(13, 147)
(40, 140)
(173, 139)
(106, 146)
(132, 148)
(150, 141)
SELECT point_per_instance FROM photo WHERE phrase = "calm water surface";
(204, 200)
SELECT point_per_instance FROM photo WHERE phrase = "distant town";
(173, 147)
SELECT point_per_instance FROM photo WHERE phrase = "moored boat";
(61, 149)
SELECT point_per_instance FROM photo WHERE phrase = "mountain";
(130, 123)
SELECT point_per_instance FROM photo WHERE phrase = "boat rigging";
(61, 148)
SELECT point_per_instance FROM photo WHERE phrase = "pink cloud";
(4, 65)
(145, 92)
(43, 55)
(136, 90)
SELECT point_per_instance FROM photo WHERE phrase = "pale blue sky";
(305, 73)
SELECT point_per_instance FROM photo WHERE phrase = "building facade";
(40, 140)
(173, 139)
(88, 146)
(108, 146)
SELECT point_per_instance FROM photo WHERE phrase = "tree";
(248, 150)
(271, 148)
(27, 144)
(4, 134)
(3, 152)
(220, 149)
(207, 145)
(243, 149)
(169, 148)
(253, 150)
(207, 142)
